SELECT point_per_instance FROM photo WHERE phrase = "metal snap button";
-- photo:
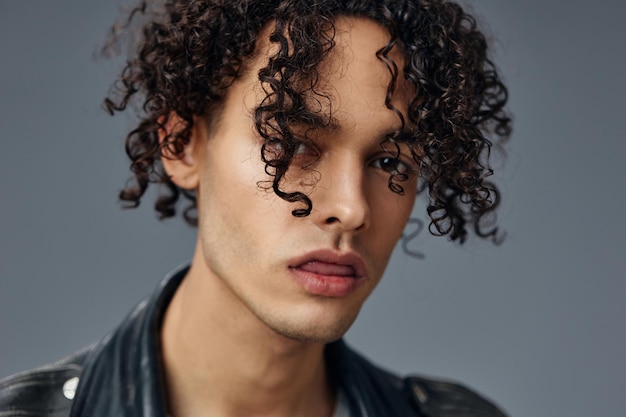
(69, 388)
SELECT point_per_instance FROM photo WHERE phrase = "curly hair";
(190, 51)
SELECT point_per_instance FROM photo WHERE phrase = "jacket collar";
(123, 375)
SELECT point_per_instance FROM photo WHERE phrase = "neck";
(221, 360)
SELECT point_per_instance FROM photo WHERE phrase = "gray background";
(539, 324)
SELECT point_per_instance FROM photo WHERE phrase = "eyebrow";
(324, 123)
(327, 124)
(405, 135)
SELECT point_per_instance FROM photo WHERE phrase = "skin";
(242, 336)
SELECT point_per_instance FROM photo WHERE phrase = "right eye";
(305, 152)
(301, 149)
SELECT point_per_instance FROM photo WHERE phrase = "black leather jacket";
(121, 376)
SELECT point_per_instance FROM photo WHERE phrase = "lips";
(328, 273)
(323, 268)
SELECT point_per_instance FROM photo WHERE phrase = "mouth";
(328, 273)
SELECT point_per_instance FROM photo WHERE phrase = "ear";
(182, 168)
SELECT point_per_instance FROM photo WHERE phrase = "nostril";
(332, 220)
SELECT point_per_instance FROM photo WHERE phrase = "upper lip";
(332, 257)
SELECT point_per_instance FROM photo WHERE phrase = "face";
(306, 278)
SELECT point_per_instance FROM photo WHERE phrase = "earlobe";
(181, 167)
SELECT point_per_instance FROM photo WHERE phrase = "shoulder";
(43, 392)
(428, 397)
(440, 398)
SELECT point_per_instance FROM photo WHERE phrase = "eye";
(305, 153)
(391, 165)
(301, 148)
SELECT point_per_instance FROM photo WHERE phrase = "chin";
(313, 331)
(313, 336)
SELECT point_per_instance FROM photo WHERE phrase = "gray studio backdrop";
(539, 324)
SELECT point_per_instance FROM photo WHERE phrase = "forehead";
(362, 65)
(353, 77)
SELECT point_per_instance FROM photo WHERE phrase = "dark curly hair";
(190, 51)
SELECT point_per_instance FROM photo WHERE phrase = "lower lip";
(326, 285)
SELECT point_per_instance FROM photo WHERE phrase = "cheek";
(229, 229)
(235, 204)
(390, 213)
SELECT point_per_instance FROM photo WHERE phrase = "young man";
(300, 133)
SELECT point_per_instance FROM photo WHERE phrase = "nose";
(340, 200)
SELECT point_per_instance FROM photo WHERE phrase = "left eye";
(391, 165)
